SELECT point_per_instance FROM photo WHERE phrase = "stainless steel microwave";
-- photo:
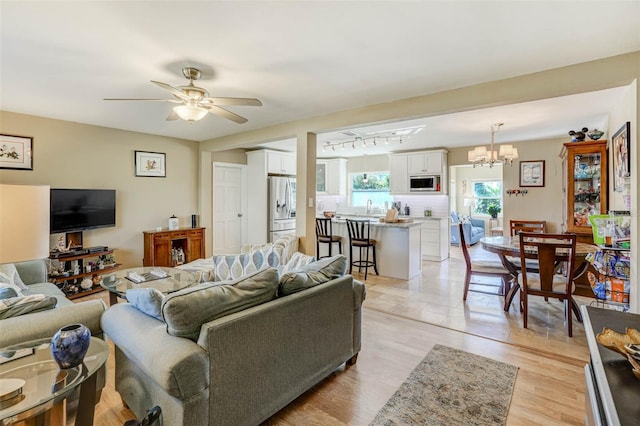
(424, 183)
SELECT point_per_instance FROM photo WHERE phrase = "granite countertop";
(375, 221)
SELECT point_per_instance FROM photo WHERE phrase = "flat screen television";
(80, 209)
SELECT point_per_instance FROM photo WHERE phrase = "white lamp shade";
(469, 202)
(508, 151)
(190, 112)
(24, 222)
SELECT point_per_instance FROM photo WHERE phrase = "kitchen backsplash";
(439, 205)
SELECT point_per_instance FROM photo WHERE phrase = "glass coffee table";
(45, 388)
(165, 280)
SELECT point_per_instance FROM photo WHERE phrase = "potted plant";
(493, 210)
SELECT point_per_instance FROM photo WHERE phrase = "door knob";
(239, 214)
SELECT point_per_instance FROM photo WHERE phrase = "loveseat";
(235, 352)
(473, 229)
(41, 318)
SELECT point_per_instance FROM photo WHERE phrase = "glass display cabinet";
(586, 186)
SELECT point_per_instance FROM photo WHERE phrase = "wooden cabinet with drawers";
(158, 246)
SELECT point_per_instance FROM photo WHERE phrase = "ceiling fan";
(194, 102)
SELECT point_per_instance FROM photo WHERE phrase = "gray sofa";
(240, 368)
(45, 323)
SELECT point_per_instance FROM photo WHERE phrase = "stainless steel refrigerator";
(282, 206)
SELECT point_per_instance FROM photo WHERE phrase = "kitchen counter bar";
(397, 249)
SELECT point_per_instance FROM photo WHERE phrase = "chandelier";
(480, 155)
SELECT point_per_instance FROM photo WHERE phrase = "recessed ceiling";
(301, 59)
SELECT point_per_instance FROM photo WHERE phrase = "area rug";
(452, 387)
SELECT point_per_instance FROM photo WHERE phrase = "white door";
(229, 208)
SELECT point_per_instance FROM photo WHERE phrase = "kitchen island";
(398, 250)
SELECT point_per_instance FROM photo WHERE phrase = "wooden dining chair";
(483, 269)
(548, 250)
(518, 226)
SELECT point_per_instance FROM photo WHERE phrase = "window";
(372, 186)
(487, 193)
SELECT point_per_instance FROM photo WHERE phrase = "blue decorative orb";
(70, 344)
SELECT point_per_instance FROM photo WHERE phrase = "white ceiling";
(59, 59)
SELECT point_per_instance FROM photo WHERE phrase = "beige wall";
(72, 155)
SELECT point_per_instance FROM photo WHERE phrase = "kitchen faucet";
(369, 205)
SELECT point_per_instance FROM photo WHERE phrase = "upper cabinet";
(585, 169)
(398, 175)
(331, 176)
(402, 166)
(425, 163)
(281, 163)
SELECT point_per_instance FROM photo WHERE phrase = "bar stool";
(324, 234)
(359, 236)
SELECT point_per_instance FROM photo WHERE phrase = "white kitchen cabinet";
(398, 175)
(331, 176)
(430, 162)
(281, 163)
(434, 239)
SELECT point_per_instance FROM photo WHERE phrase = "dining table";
(508, 248)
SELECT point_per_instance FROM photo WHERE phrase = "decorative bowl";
(329, 215)
(595, 134)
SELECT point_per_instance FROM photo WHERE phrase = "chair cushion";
(333, 238)
(488, 266)
(559, 282)
(363, 243)
(311, 275)
(186, 310)
(454, 217)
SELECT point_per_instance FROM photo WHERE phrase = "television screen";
(79, 209)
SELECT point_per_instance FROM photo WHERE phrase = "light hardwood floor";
(402, 320)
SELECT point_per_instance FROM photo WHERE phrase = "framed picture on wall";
(532, 173)
(621, 160)
(150, 164)
(16, 152)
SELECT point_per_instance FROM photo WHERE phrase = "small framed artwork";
(16, 152)
(621, 160)
(150, 164)
(532, 173)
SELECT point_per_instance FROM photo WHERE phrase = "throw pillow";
(311, 275)
(7, 282)
(16, 306)
(297, 261)
(146, 300)
(10, 270)
(186, 310)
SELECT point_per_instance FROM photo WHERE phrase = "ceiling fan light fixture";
(190, 113)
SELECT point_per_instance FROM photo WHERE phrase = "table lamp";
(24, 222)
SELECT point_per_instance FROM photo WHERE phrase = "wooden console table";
(158, 245)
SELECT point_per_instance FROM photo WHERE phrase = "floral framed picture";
(532, 173)
(16, 152)
(621, 160)
(150, 164)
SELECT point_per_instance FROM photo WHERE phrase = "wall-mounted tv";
(80, 209)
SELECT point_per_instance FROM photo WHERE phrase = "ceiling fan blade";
(175, 101)
(232, 101)
(225, 113)
(174, 91)
(172, 116)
